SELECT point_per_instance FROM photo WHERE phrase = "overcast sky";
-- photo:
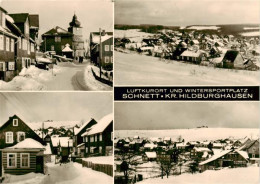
(93, 14)
(171, 115)
(187, 12)
(57, 106)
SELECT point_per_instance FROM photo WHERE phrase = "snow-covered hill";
(196, 134)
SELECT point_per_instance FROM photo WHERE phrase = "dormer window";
(15, 122)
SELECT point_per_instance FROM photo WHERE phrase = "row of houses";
(224, 51)
(18, 35)
(208, 154)
(22, 150)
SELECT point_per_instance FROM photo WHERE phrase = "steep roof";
(151, 154)
(19, 17)
(28, 144)
(216, 156)
(101, 125)
(34, 20)
(3, 10)
(231, 55)
(77, 131)
(57, 31)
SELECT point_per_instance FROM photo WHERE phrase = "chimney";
(103, 33)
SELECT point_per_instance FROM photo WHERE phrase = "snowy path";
(74, 173)
(134, 69)
(71, 78)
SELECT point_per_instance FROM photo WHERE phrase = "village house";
(107, 48)
(252, 148)
(61, 42)
(65, 150)
(149, 156)
(225, 158)
(17, 48)
(78, 144)
(24, 157)
(99, 139)
(233, 59)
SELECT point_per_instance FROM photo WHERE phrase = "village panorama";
(36, 151)
(159, 43)
(148, 152)
(56, 48)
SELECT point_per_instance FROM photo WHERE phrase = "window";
(11, 160)
(100, 149)
(92, 138)
(15, 122)
(253, 155)
(12, 45)
(106, 47)
(20, 42)
(95, 138)
(100, 137)
(111, 59)
(20, 136)
(9, 137)
(28, 47)
(11, 66)
(57, 39)
(112, 48)
(1, 42)
(32, 47)
(86, 150)
(106, 59)
(62, 47)
(52, 47)
(24, 43)
(25, 160)
(7, 44)
(2, 66)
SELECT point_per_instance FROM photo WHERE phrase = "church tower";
(77, 40)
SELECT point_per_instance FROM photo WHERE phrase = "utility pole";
(100, 52)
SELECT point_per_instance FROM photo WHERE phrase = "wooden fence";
(110, 83)
(105, 168)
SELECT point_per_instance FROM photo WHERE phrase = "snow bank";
(100, 160)
(227, 176)
(199, 134)
(30, 79)
(249, 28)
(203, 27)
(87, 175)
(31, 178)
(92, 83)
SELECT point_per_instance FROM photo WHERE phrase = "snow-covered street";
(70, 173)
(64, 76)
(135, 69)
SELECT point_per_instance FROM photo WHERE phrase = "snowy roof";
(67, 48)
(150, 145)
(43, 60)
(28, 144)
(80, 145)
(96, 38)
(202, 149)
(216, 156)
(191, 53)
(100, 126)
(57, 31)
(151, 154)
(77, 130)
(47, 149)
(243, 154)
(65, 142)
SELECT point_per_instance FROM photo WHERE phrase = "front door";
(39, 164)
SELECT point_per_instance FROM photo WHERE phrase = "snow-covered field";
(135, 69)
(135, 35)
(249, 175)
(203, 27)
(251, 28)
(252, 33)
(196, 134)
(92, 83)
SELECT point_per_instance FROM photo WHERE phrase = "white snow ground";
(31, 178)
(101, 160)
(203, 27)
(252, 33)
(249, 175)
(92, 83)
(135, 69)
(196, 134)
